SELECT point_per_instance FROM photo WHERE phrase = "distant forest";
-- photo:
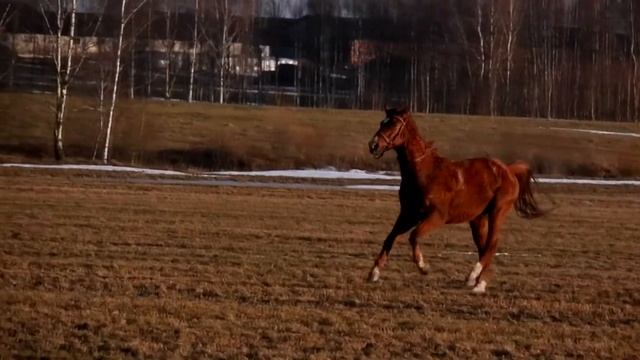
(530, 58)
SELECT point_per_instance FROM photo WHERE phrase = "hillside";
(208, 136)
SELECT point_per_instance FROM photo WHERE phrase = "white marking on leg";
(473, 276)
(375, 274)
(480, 288)
(422, 266)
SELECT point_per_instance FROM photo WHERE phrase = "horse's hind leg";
(496, 218)
(479, 230)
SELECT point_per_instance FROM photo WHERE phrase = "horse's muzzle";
(375, 149)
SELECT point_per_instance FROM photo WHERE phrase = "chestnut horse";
(435, 191)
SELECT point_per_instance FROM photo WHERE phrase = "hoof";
(422, 267)
(374, 275)
(473, 276)
(471, 282)
(480, 288)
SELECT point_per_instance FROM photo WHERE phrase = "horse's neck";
(415, 157)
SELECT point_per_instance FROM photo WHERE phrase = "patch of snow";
(602, 182)
(373, 187)
(328, 173)
(476, 254)
(600, 132)
(98, 168)
(589, 181)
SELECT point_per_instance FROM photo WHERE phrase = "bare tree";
(102, 87)
(63, 59)
(481, 48)
(132, 59)
(169, 43)
(633, 96)
(467, 50)
(550, 60)
(128, 8)
(6, 16)
(510, 29)
(494, 57)
(194, 48)
(517, 57)
(220, 36)
(69, 54)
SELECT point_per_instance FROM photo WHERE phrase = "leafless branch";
(7, 15)
(134, 10)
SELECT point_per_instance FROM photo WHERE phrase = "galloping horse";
(435, 191)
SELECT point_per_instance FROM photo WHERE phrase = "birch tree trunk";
(63, 74)
(101, 89)
(633, 81)
(223, 59)
(168, 50)
(511, 35)
(220, 42)
(494, 61)
(116, 74)
(6, 16)
(132, 64)
(194, 50)
(114, 93)
(480, 37)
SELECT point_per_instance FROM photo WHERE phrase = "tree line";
(531, 58)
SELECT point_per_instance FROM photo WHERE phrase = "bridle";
(396, 134)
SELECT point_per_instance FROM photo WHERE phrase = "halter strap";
(389, 141)
(397, 133)
(421, 156)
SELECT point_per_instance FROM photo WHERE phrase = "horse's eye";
(385, 122)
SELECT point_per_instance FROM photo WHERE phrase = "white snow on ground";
(328, 173)
(98, 168)
(373, 187)
(470, 253)
(600, 132)
(363, 175)
(588, 181)
(601, 182)
(308, 174)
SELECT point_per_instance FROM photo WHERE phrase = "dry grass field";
(99, 267)
(208, 136)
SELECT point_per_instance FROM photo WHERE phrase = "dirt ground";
(95, 267)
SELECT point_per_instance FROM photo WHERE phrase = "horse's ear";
(387, 109)
(403, 109)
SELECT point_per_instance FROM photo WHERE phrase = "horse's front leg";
(430, 223)
(402, 225)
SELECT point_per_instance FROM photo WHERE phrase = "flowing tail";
(526, 206)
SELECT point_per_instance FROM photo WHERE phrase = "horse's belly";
(467, 207)
(463, 216)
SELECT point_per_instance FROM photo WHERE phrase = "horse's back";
(480, 179)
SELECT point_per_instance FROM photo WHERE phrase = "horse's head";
(392, 132)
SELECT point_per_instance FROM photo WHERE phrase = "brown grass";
(206, 136)
(96, 267)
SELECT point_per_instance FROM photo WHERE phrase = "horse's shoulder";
(448, 176)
